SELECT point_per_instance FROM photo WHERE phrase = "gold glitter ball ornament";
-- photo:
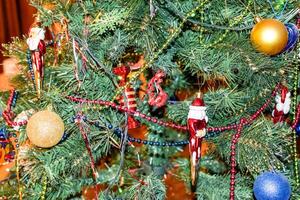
(269, 36)
(45, 129)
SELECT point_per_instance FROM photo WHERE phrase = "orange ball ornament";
(269, 36)
(45, 129)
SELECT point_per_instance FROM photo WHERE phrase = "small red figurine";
(157, 97)
(123, 72)
(197, 121)
(282, 107)
(37, 47)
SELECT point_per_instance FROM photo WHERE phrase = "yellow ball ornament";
(45, 129)
(269, 36)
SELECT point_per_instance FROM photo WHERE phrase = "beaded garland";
(7, 113)
(212, 130)
(295, 118)
(171, 124)
(232, 23)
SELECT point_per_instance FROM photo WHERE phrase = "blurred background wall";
(16, 17)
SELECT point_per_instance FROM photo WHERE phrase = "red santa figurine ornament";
(37, 47)
(197, 121)
(282, 107)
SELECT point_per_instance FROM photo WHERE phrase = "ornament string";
(278, 16)
(75, 65)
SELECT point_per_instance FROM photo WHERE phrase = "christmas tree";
(158, 99)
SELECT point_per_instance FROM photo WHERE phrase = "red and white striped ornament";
(129, 101)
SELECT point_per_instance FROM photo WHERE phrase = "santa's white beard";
(196, 114)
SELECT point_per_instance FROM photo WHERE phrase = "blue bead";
(145, 142)
(271, 186)
(150, 143)
(110, 126)
(138, 140)
(297, 129)
(163, 144)
(117, 133)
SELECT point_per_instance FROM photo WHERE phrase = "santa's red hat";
(198, 103)
(197, 109)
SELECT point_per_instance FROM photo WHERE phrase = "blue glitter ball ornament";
(293, 35)
(297, 129)
(271, 186)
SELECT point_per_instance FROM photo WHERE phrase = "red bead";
(131, 112)
(233, 171)
(232, 182)
(178, 127)
(137, 114)
(160, 122)
(232, 147)
(231, 194)
(232, 187)
(154, 120)
(232, 153)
